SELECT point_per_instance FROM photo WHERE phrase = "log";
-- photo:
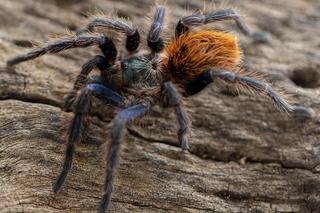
(245, 155)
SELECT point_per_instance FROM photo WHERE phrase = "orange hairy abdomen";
(196, 52)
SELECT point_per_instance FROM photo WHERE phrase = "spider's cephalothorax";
(137, 72)
(191, 61)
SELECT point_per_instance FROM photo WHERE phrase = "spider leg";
(155, 42)
(124, 117)
(171, 99)
(254, 85)
(79, 122)
(198, 19)
(243, 83)
(63, 44)
(198, 84)
(133, 35)
(101, 62)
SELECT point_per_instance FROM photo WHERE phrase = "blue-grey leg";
(251, 84)
(79, 122)
(171, 99)
(59, 46)
(109, 51)
(125, 116)
(155, 42)
(117, 24)
(198, 19)
(101, 62)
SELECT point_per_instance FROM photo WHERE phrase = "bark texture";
(245, 155)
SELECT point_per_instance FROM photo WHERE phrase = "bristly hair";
(193, 53)
(149, 19)
(56, 46)
(214, 6)
(240, 87)
(114, 22)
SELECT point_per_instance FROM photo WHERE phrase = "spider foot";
(57, 186)
(184, 143)
(261, 37)
(304, 112)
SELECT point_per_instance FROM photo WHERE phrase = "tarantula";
(186, 65)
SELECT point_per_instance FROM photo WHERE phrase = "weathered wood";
(245, 155)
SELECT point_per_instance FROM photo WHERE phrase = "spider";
(133, 84)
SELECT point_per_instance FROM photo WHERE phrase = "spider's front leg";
(109, 51)
(171, 99)
(221, 15)
(79, 122)
(59, 46)
(105, 44)
(125, 116)
(118, 24)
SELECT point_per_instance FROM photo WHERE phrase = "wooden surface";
(245, 155)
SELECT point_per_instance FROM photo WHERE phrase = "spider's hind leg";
(80, 122)
(198, 19)
(252, 85)
(239, 83)
(171, 99)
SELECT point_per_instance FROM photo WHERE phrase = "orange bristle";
(195, 52)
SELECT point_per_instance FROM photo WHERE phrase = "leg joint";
(170, 95)
(133, 41)
(109, 50)
(105, 93)
(156, 46)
